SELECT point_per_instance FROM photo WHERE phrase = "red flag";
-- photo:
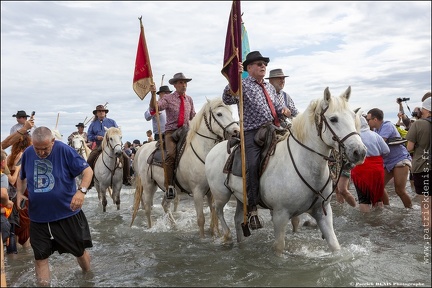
(143, 76)
(232, 57)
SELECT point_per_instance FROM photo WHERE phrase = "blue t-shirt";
(397, 152)
(51, 182)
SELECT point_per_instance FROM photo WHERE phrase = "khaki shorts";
(403, 163)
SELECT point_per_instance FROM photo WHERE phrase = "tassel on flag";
(143, 76)
(233, 48)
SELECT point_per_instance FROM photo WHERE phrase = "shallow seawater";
(383, 248)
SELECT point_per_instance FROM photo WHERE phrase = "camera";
(415, 114)
(402, 99)
(33, 113)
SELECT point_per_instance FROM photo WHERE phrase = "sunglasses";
(260, 64)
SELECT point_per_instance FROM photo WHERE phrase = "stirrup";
(254, 222)
(170, 193)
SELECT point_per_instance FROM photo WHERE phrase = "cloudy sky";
(64, 58)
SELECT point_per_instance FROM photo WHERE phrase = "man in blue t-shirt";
(57, 223)
(397, 163)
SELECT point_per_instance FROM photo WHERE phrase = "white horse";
(79, 144)
(210, 126)
(108, 168)
(296, 179)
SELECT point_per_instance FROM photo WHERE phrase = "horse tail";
(137, 198)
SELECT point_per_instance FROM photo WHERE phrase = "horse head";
(336, 124)
(113, 140)
(77, 142)
(218, 120)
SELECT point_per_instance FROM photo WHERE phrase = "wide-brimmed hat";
(100, 108)
(177, 77)
(276, 73)
(80, 125)
(20, 113)
(164, 89)
(254, 56)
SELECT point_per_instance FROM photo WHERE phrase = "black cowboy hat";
(80, 125)
(254, 56)
(20, 113)
(100, 108)
(164, 89)
(177, 77)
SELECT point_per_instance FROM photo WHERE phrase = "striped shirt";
(256, 111)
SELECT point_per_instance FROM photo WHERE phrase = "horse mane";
(304, 122)
(195, 123)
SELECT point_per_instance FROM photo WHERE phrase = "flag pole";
(138, 196)
(245, 227)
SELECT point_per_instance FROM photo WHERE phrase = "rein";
(319, 127)
(209, 127)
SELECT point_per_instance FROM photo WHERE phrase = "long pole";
(242, 149)
(58, 115)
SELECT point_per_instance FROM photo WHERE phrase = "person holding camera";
(404, 119)
(419, 142)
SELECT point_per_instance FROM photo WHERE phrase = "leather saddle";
(267, 137)
(179, 136)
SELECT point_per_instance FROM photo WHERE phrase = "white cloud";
(67, 57)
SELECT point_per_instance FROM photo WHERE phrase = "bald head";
(42, 134)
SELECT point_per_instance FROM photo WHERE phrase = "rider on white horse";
(179, 109)
(96, 132)
(260, 108)
(80, 132)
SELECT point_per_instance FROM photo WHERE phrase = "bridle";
(319, 124)
(208, 123)
(116, 163)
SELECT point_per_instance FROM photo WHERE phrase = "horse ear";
(347, 94)
(357, 110)
(327, 95)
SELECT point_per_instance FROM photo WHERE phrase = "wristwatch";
(83, 190)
